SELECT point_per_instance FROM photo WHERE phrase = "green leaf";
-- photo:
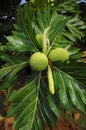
(54, 107)
(20, 45)
(26, 18)
(80, 91)
(61, 88)
(46, 110)
(10, 73)
(5, 71)
(75, 97)
(33, 105)
(27, 107)
(74, 31)
(76, 70)
(56, 25)
(67, 86)
(14, 59)
(68, 35)
(40, 20)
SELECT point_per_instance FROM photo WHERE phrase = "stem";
(45, 40)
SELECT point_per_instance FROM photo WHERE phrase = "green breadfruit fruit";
(38, 61)
(58, 54)
(39, 38)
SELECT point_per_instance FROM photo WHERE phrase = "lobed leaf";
(71, 88)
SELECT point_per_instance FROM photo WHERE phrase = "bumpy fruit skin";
(39, 38)
(58, 54)
(38, 61)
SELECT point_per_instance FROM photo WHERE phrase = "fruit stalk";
(50, 80)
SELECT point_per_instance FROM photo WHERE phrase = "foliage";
(8, 9)
(62, 6)
(34, 105)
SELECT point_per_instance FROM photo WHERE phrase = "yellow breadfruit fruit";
(58, 54)
(38, 61)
